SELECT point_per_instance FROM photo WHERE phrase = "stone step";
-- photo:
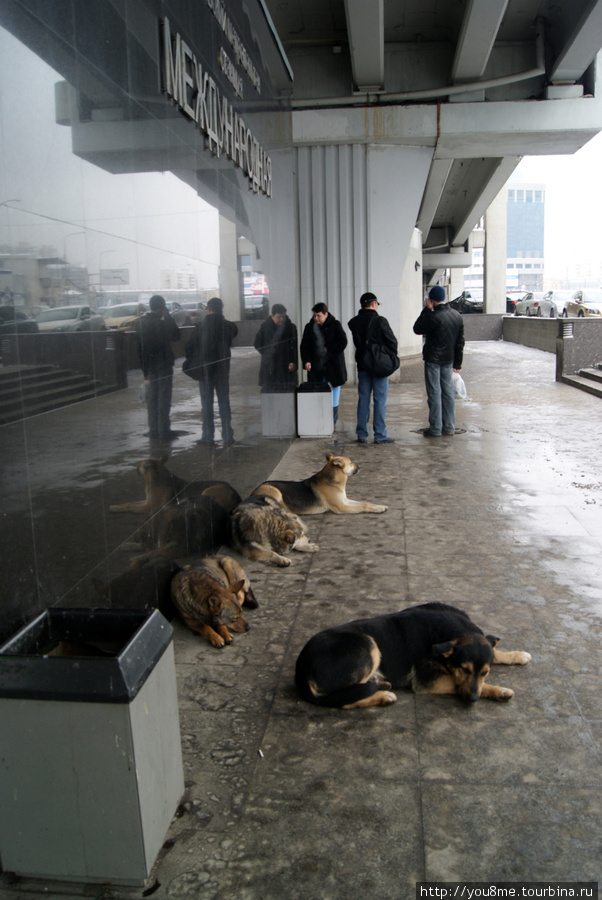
(32, 390)
(595, 374)
(56, 382)
(584, 384)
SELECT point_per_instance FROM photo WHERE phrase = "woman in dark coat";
(323, 352)
(276, 341)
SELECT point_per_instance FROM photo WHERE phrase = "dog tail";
(346, 696)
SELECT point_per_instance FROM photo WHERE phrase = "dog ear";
(445, 649)
(214, 604)
(492, 640)
(337, 461)
(238, 586)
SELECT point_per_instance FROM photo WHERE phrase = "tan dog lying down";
(262, 529)
(210, 595)
(162, 488)
(326, 490)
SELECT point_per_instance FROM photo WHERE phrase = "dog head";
(339, 468)
(153, 470)
(468, 660)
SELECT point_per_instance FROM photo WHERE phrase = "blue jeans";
(441, 399)
(367, 386)
(218, 382)
(158, 401)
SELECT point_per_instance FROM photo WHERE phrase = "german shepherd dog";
(194, 528)
(326, 490)
(210, 596)
(163, 488)
(262, 529)
(431, 649)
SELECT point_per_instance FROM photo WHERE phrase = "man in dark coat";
(209, 353)
(276, 340)
(443, 351)
(323, 352)
(368, 323)
(155, 333)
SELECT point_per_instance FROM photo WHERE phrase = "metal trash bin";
(314, 410)
(90, 755)
(278, 412)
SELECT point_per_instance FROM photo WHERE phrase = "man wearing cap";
(368, 323)
(443, 350)
(155, 333)
(209, 348)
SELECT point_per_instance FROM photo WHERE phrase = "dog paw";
(312, 548)
(380, 509)
(523, 658)
(387, 697)
(505, 694)
(217, 641)
(282, 561)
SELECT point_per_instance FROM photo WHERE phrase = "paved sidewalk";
(286, 801)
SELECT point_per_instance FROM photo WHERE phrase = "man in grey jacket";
(443, 330)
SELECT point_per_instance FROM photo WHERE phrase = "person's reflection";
(156, 331)
(276, 340)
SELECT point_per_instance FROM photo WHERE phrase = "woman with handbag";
(323, 352)
(373, 338)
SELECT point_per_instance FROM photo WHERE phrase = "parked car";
(535, 304)
(70, 318)
(584, 303)
(196, 312)
(14, 321)
(123, 316)
(468, 302)
(257, 296)
(179, 314)
(558, 299)
(514, 297)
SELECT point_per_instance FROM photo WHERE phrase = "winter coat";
(443, 330)
(278, 347)
(323, 346)
(208, 350)
(155, 334)
(380, 332)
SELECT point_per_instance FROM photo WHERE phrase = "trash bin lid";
(87, 655)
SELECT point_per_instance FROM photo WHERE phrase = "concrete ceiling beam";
(366, 32)
(581, 48)
(480, 26)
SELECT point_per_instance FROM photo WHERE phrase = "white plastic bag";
(459, 386)
(142, 393)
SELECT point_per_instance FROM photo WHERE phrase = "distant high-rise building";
(525, 236)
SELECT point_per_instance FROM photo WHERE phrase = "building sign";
(196, 94)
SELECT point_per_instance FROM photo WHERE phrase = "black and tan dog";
(163, 488)
(431, 649)
(326, 490)
(210, 596)
(262, 529)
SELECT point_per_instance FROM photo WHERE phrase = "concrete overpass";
(414, 113)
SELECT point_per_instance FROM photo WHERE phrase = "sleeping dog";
(431, 649)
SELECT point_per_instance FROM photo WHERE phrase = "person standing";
(369, 324)
(208, 353)
(155, 333)
(443, 351)
(323, 352)
(276, 341)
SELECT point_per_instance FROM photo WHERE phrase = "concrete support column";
(357, 206)
(495, 255)
(229, 281)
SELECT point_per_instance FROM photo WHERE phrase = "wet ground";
(286, 800)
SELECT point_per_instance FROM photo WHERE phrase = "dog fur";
(431, 649)
(163, 488)
(326, 490)
(210, 595)
(263, 529)
(194, 528)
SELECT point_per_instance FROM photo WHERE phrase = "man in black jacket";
(443, 330)
(366, 324)
(155, 333)
(276, 341)
(209, 352)
(323, 352)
